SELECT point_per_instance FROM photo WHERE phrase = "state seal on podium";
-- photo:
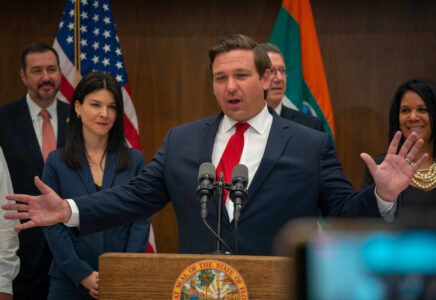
(209, 279)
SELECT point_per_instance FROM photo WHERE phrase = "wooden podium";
(153, 276)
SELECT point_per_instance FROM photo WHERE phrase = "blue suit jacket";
(301, 118)
(25, 161)
(74, 257)
(299, 173)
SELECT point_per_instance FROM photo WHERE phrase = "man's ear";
(23, 76)
(266, 79)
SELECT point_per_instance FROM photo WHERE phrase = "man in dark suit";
(276, 93)
(293, 170)
(21, 141)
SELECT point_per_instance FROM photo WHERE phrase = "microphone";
(206, 178)
(238, 191)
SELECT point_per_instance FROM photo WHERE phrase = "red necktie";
(48, 136)
(232, 154)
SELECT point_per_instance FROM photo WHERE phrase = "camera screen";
(377, 265)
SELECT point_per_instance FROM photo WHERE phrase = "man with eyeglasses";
(276, 93)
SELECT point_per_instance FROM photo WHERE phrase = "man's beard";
(48, 96)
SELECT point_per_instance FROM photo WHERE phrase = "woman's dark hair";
(426, 90)
(75, 144)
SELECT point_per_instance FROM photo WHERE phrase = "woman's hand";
(396, 171)
(91, 283)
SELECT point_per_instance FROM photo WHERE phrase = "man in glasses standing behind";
(276, 92)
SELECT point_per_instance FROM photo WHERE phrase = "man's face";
(277, 89)
(42, 77)
(237, 86)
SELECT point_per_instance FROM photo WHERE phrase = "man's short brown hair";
(39, 48)
(240, 41)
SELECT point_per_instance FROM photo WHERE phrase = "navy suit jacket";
(74, 257)
(299, 173)
(301, 118)
(25, 161)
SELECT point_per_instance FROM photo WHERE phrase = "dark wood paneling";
(21, 23)
(368, 47)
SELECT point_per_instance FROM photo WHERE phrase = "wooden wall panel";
(368, 48)
(21, 23)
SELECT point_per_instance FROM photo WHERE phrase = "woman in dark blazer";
(95, 157)
(413, 109)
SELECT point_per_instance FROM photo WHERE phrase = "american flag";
(87, 41)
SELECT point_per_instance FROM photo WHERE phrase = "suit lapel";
(277, 141)
(287, 113)
(108, 181)
(24, 125)
(26, 131)
(109, 171)
(207, 139)
(86, 176)
(63, 119)
(88, 182)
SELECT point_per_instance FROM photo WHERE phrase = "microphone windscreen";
(208, 169)
(240, 171)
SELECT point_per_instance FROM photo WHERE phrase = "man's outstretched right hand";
(44, 210)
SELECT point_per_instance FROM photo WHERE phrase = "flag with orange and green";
(295, 34)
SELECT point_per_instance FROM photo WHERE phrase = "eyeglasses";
(281, 70)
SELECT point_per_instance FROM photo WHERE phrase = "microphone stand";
(219, 188)
(235, 218)
(207, 189)
(238, 193)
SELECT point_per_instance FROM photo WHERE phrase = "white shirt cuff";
(74, 221)
(387, 209)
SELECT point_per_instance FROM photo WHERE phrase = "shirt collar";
(34, 109)
(259, 122)
(278, 108)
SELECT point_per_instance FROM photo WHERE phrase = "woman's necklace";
(426, 177)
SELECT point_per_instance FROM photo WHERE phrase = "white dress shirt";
(9, 261)
(255, 139)
(37, 119)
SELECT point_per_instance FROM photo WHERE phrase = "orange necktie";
(232, 154)
(48, 136)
